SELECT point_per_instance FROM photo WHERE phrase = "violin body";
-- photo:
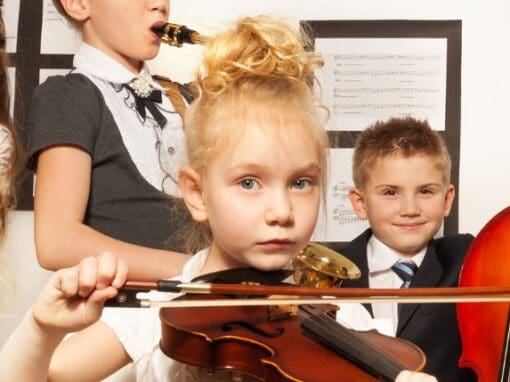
(483, 326)
(242, 338)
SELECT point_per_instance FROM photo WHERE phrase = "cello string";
(504, 369)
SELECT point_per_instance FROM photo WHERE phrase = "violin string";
(357, 350)
(351, 345)
(350, 334)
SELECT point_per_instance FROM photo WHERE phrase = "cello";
(484, 328)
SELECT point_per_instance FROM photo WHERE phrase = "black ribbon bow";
(148, 100)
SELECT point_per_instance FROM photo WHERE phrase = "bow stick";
(132, 295)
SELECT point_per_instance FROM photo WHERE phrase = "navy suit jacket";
(432, 327)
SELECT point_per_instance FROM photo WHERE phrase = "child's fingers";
(121, 275)
(99, 296)
(410, 376)
(96, 300)
(68, 281)
(87, 276)
(404, 376)
(106, 269)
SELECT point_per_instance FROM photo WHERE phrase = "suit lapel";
(428, 275)
(357, 253)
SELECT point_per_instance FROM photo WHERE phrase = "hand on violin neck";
(412, 376)
(75, 296)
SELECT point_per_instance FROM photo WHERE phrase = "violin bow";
(134, 294)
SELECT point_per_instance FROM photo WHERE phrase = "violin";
(265, 340)
(243, 338)
(484, 329)
(226, 333)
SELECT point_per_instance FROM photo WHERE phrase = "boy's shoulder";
(356, 249)
(454, 241)
(445, 246)
(451, 249)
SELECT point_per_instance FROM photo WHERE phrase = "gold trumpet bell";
(318, 266)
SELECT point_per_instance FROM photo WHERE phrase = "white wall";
(484, 187)
(25, 278)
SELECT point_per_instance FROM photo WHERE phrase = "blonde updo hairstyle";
(259, 72)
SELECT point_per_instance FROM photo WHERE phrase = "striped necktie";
(405, 270)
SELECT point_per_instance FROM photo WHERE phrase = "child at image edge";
(106, 158)
(401, 171)
(259, 207)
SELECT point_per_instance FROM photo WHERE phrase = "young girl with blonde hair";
(257, 167)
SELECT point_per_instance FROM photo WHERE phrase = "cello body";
(483, 327)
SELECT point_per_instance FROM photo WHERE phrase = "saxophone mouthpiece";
(177, 35)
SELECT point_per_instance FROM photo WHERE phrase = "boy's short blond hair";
(398, 136)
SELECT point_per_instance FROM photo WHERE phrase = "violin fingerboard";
(347, 344)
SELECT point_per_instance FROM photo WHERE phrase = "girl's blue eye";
(302, 183)
(248, 184)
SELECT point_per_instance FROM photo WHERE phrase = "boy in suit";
(401, 171)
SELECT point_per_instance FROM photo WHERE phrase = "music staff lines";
(337, 91)
(385, 73)
(386, 57)
(383, 106)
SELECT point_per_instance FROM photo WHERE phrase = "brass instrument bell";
(320, 267)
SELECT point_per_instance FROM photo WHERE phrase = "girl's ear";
(358, 202)
(191, 190)
(79, 10)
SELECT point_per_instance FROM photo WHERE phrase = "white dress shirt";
(380, 259)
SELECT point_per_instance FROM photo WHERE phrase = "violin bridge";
(283, 311)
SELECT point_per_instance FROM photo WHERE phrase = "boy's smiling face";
(405, 201)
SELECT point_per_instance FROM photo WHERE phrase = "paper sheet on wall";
(11, 17)
(58, 36)
(370, 79)
(337, 221)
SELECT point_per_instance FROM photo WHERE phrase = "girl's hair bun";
(256, 46)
